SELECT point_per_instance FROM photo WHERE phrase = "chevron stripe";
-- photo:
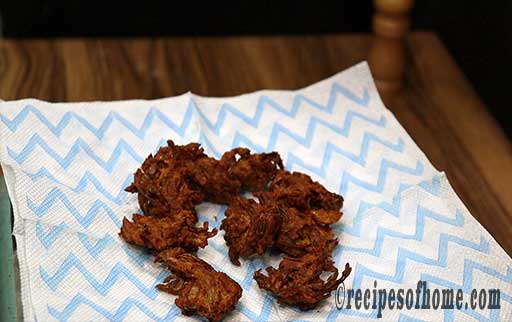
(84, 220)
(47, 239)
(422, 213)
(385, 165)
(79, 145)
(298, 101)
(406, 318)
(409, 255)
(209, 147)
(431, 186)
(94, 249)
(128, 303)
(467, 287)
(404, 254)
(99, 132)
(104, 287)
(331, 149)
(264, 314)
(87, 178)
(120, 313)
(140, 257)
(305, 140)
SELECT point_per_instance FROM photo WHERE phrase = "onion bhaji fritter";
(298, 190)
(163, 182)
(292, 214)
(253, 171)
(250, 227)
(179, 177)
(200, 289)
(297, 281)
(300, 234)
(161, 233)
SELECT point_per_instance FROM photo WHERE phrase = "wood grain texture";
(437, 106)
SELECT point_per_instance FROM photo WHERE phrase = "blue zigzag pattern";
(467, 286)
(94, 249)
(123, 146)
(277, 128)
(403, 255)
(347, 178)
(385, 166)
(99, 132)
(298, 101)
(47, 239)
(331, 149)
(85, 220)
(422, 213)
(118, 315)
(129, 303)
(104, 287)
(87, 178)
(118, 271)
(431, 186)
(239, 139)
(79, 145)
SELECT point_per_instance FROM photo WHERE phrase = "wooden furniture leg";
(387, 55)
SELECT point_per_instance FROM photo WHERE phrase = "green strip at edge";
(8, 310)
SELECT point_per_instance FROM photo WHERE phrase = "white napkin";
(66, 165)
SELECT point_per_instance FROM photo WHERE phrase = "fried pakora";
(200, 289)
(161, 233)
(250, 227)
(292, 214)
(179, 177)
(297, 281)
(300, 234)
(298, 190)
(253, 171)
(163, 182)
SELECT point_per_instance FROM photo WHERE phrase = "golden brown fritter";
(297, 281)
(298, 190)
(211, 176)
(200, 289)
(293, 214)
(253, 171)
(179, 177)
(161, 233)
(250, 227)
(163, 182)
(301, 234)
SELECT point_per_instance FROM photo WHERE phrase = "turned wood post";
(387, 55)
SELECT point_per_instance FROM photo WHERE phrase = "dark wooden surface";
(437, 106)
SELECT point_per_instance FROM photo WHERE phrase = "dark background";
(477, 33)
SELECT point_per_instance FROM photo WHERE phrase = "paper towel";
(67, 164)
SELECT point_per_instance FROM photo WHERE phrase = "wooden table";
(438, 107)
